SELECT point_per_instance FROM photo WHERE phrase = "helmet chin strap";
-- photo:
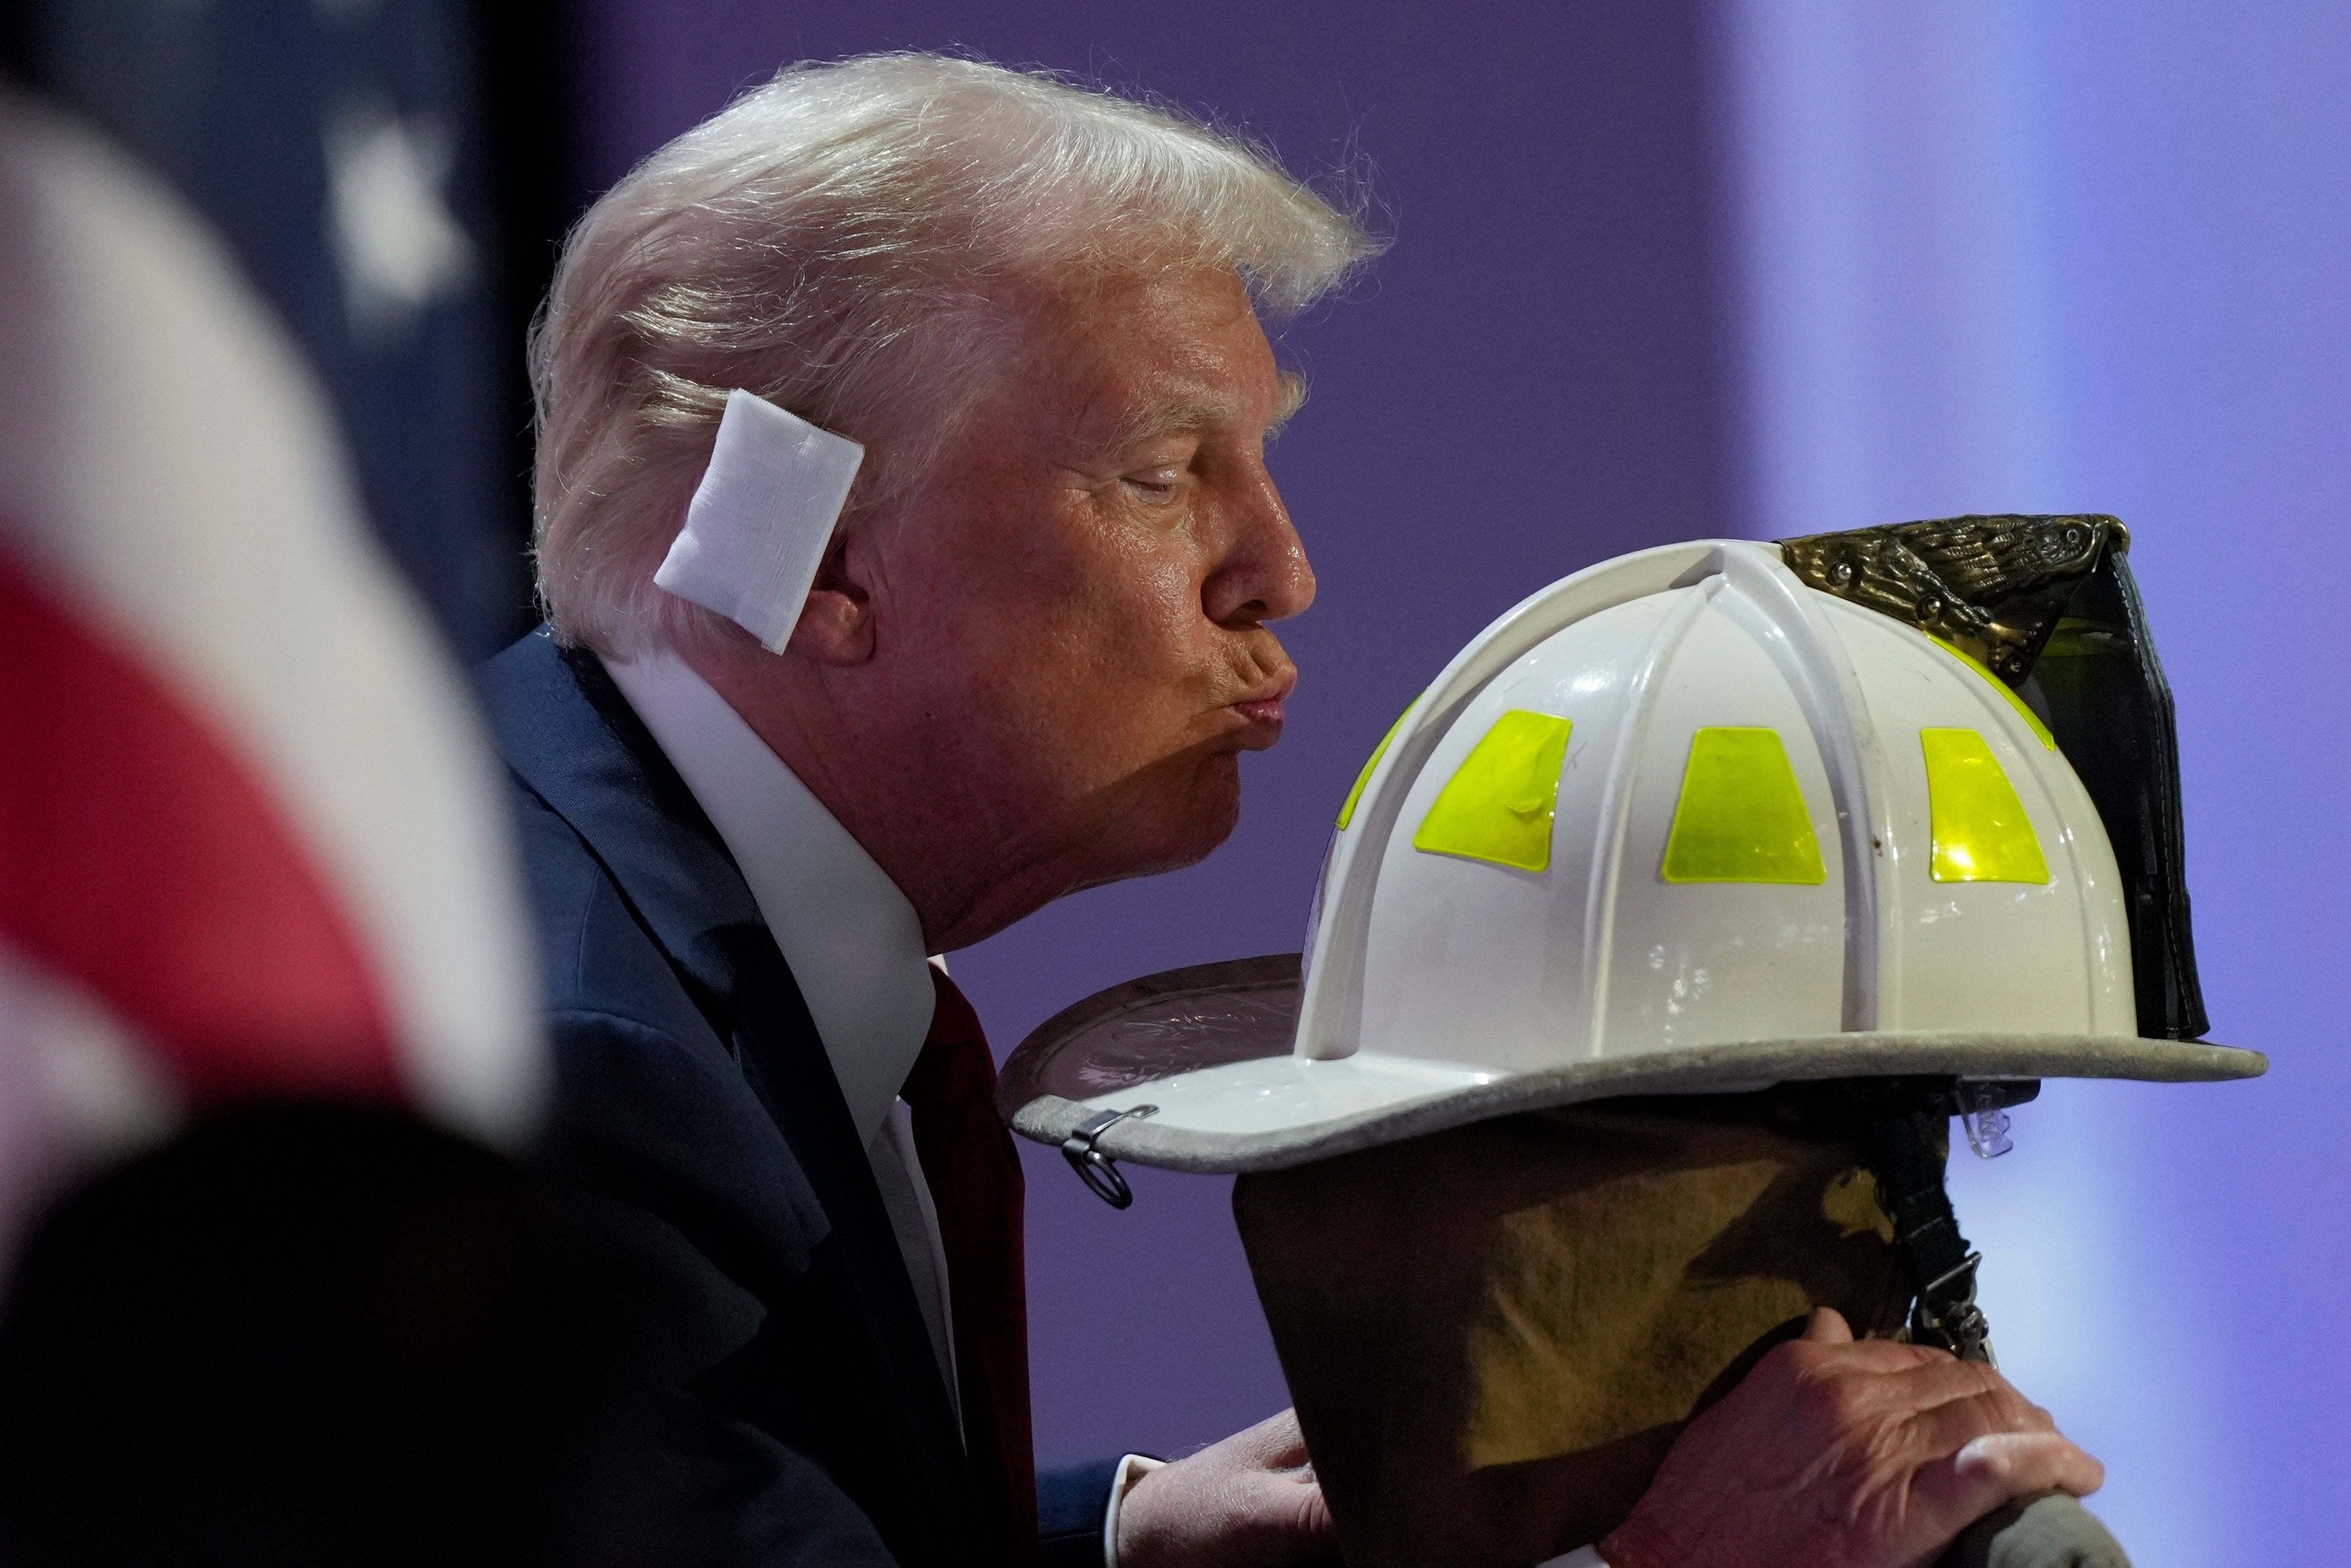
(1902, 1124)
(1907, 1153)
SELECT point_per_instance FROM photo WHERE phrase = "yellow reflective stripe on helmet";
(1347, 812)
(1981, 830)
(1498, 804)
(1741, 816)
(2023, 709)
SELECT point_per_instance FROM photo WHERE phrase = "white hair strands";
(845, 243)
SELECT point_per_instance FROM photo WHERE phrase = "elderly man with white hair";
(1032, 648)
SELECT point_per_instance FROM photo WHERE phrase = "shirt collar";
(853, 941)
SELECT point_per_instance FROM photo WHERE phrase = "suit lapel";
(773, 1038)
(572, 739)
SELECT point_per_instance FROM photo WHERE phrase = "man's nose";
(1264, 575)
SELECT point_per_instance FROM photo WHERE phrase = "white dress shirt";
(855, 948)
(854, 944)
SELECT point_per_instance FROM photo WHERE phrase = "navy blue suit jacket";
(802, 1415)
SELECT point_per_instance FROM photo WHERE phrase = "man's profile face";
(1081, 596)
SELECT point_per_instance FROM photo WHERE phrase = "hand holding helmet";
(1838, 1453)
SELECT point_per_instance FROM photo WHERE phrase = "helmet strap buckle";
(1907, 1156)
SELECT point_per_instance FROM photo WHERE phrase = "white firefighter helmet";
(1678, 823)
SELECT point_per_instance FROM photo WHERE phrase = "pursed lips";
(1263, 705)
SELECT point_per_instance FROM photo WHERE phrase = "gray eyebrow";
(1291, 399)
(1160, 419)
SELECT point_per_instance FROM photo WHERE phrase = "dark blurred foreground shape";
(249, 294)
(316, 1334)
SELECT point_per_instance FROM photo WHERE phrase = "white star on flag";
(393, 234)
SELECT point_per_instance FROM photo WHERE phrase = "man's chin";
(1188, 832)
(1214, 813)
(1172, 855)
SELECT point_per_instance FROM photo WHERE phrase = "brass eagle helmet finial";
(1993, 585)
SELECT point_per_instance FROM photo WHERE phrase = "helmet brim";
(1210, 1045)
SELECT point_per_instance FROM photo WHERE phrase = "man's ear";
(836, 623)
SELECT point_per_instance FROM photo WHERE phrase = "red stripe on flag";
(142, 857)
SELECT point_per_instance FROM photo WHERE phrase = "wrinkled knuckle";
(1991, 1461)
(1835, 1401)
(1782, 1375)
(1988, 1380)
(2016, 1417)
(2005, 1410)
(1308, 1518)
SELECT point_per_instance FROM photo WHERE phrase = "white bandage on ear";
(760, 520)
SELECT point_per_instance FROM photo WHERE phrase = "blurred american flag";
(257, 504)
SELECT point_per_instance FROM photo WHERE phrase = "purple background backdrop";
(1998, 257)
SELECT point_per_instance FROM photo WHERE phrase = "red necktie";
(974, 1175)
